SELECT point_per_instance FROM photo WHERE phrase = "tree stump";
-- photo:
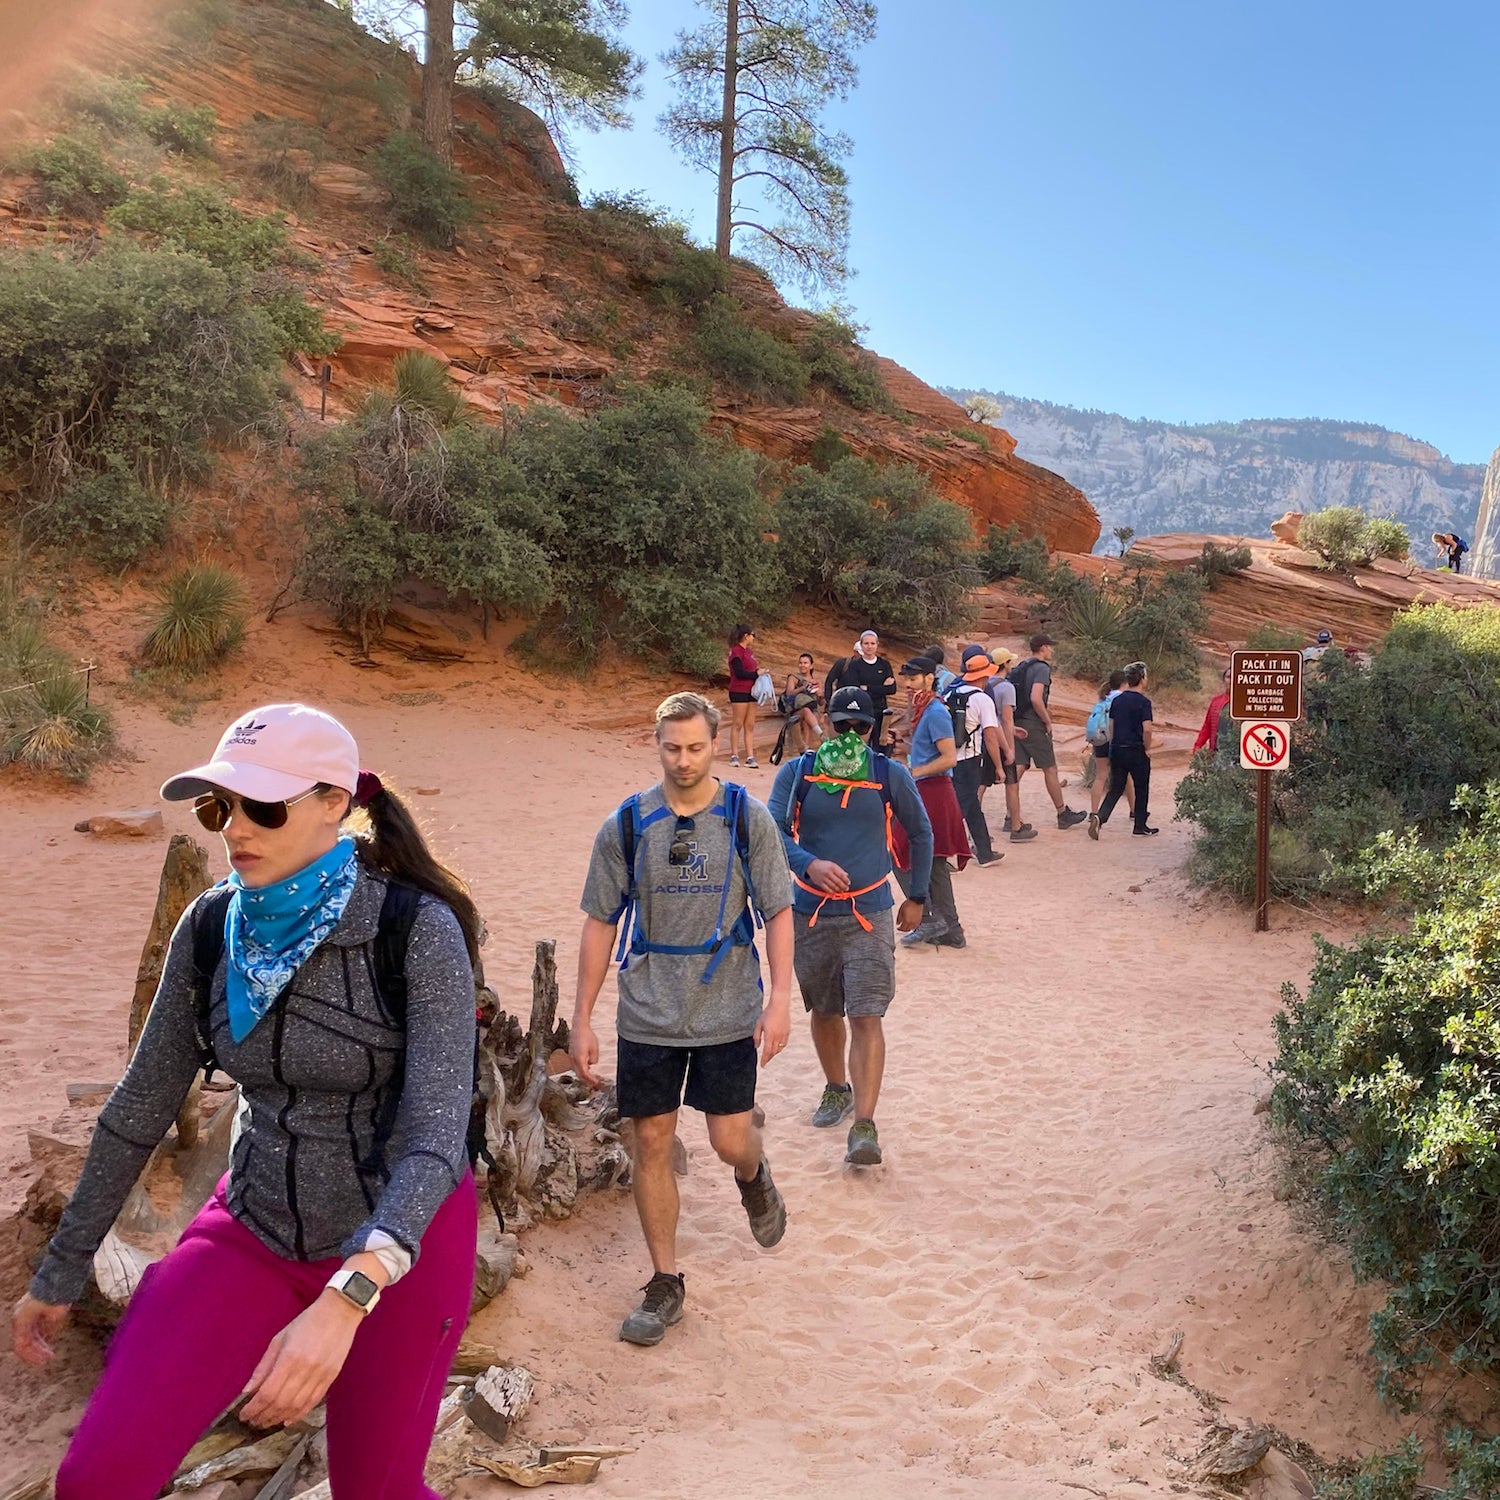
(184, 877)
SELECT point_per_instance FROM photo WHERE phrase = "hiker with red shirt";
(1209, 734)
(743, 670)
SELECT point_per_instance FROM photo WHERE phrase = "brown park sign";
(1265, 685)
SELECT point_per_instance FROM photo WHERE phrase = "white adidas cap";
(273, 753)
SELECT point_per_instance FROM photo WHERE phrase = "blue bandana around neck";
(269, 931)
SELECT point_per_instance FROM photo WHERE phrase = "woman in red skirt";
(932, 758)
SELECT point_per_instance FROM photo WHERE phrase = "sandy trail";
(1074, 1169)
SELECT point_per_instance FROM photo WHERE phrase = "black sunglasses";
(215, 810)
(681, 852)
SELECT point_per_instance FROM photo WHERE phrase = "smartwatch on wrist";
(356, 1287)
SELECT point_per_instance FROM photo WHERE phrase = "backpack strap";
(397, 914)
(631, 826)
(742, 931)
(208, 950)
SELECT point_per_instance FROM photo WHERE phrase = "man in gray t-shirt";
(692, 1011)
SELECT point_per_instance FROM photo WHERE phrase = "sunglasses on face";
(215, 810)
(681, 852)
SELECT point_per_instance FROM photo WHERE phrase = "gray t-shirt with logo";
(662, 997)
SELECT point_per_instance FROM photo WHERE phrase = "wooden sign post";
(1265, 698)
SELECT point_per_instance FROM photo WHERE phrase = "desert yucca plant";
(201, 618)
(422, 385)
(51, 726)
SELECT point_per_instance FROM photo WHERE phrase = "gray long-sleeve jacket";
(354, 1124)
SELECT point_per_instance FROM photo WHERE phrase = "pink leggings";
(203, 1316)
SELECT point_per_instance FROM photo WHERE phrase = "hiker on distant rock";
(1032, 680)
(1130, 738)
(932, 757)
(743, 670)
(1003, 692)
(976, 734)
(333, 979)
(1451, 547)
(692, 866)
(836, 808)
(1208, 735)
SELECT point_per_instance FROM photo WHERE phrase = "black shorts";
(741, 697)
(720, 1080)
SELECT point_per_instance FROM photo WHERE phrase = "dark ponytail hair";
(392, 844)
(738, 634)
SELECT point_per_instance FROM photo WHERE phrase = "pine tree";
(752, 86)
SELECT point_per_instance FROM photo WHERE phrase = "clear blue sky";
(1178, 210)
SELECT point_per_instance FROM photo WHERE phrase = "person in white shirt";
(981, 737)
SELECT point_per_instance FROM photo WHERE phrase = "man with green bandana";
(833, 808)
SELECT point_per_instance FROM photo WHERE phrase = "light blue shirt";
(936, 724)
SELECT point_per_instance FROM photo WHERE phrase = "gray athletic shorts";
(1036, 749)
(842, 970)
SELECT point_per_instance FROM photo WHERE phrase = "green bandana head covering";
(844, 757)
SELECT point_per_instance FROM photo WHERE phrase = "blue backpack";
(634, 939)
(1097, 730)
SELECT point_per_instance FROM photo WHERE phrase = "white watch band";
(340, 1283)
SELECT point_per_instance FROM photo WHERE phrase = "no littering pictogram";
(1265, 745)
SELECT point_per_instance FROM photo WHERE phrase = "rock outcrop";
(532, 306)
(1237, 477)
(1485, 549)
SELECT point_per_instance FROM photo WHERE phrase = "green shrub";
(1218, 563)
(836, 362)
(107, 514)
(114, 103)
(660, 526)
(50, 725)
(1388, 538)
(760, 365)
(828, 448)
(1274, 638)
(284, 154)
(1384, 1080)
(1345, 537)
(1006, 554)
(197, 218)
(200, 618)
(420, 384)
(187, 130)
(690, 278)
(128, 362)
(1379, 748)
(396, 260)
(427, 195)
(74, 176)
(296, 325)
(878, 544)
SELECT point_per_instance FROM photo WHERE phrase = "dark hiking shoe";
(660, 1308)
(763, 1207)
(953, 938)
(1005, 826)
(993, 859)
(1094, 827)
(836, 1104)
(864, 1145)
(1023, 833)
(1067, 818)
(925, 932)
(1145, 833)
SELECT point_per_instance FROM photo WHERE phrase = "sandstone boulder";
(133, 823)
(1288, 527)
(336, 183)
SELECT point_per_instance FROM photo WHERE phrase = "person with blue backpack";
(332, 978)
(687, 871)
(836, 808)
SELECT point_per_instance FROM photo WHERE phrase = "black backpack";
(392, 934)
(1019, 678)
(957, 699)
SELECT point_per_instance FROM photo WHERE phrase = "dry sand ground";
(1074, 1167)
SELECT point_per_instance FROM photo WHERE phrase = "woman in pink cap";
(336, 1258)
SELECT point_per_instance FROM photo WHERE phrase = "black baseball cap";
(919, 666)
(852, 703)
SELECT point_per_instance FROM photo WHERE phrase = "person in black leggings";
(1131, 734)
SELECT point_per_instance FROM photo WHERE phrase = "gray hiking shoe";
(1067, 818)
(836, 1105)
(926, 932)
(952, 938)
(1023, 834)
(763, 1207)
(660, 1308)
(864, 1145)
